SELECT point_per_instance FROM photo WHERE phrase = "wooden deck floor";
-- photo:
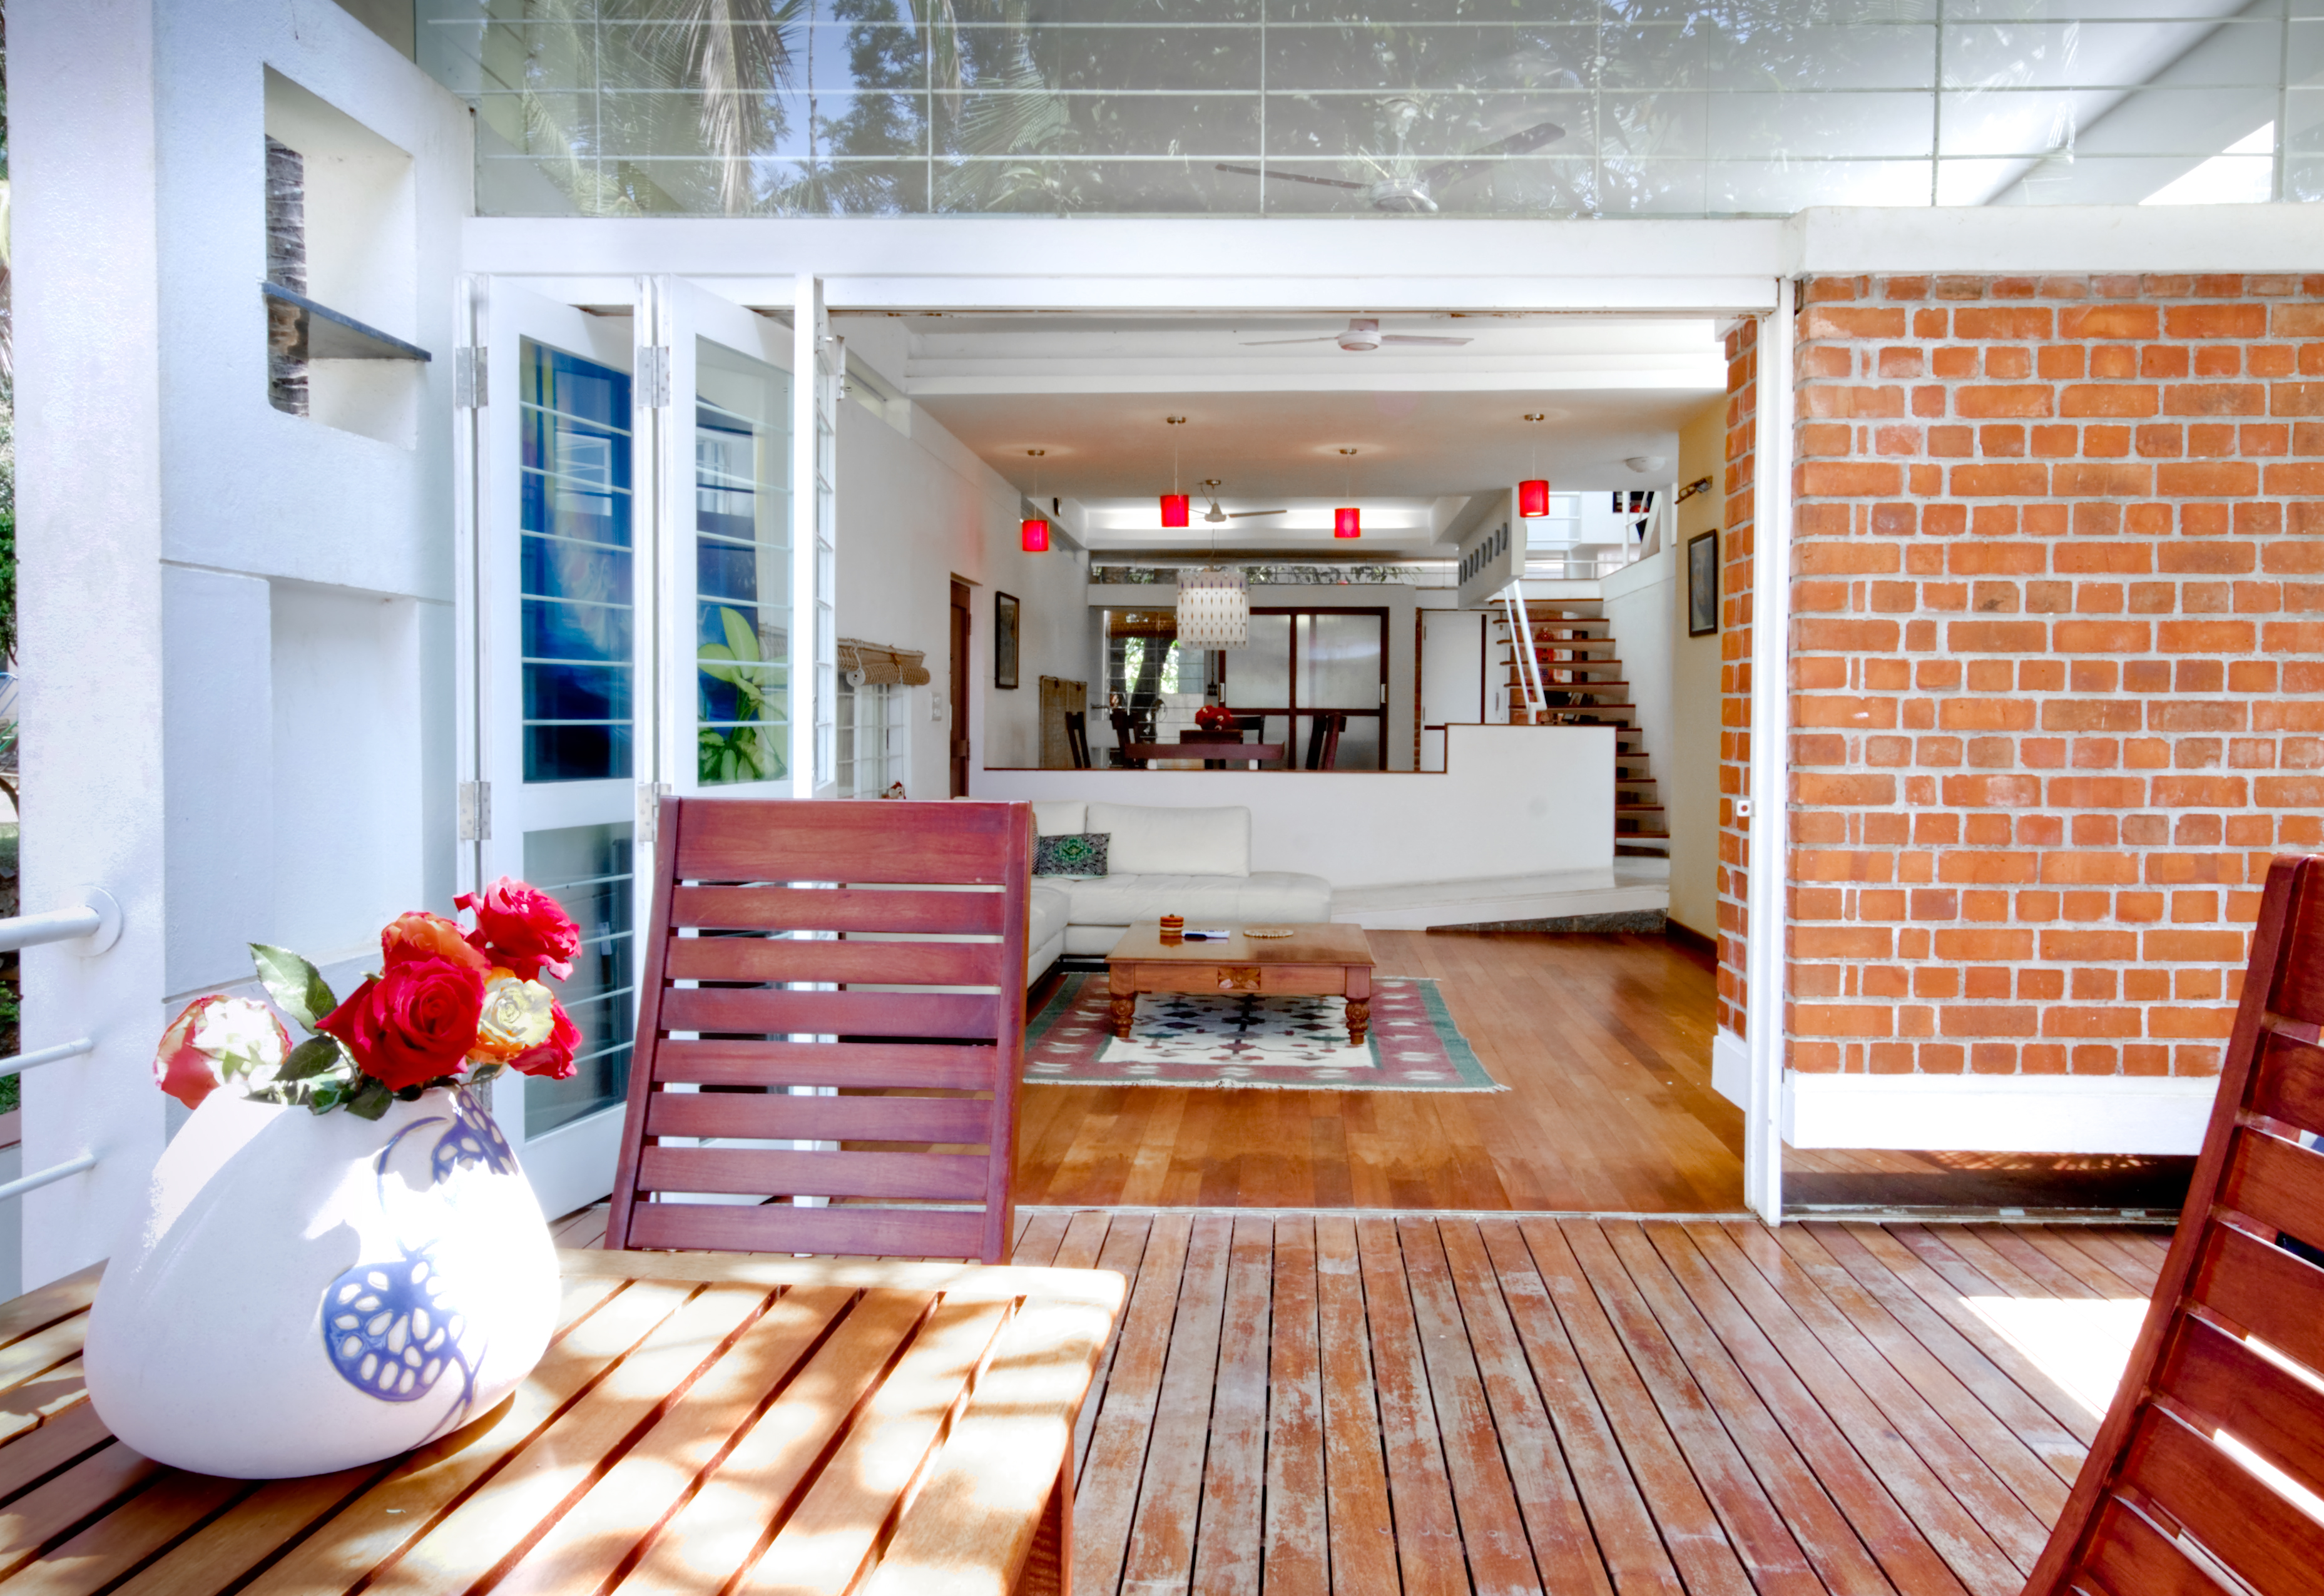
(1303, 1403)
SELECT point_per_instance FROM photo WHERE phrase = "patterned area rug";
(1283, 1044)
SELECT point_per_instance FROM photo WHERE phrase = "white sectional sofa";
(1195, 863)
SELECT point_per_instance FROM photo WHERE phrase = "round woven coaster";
(1269, 932)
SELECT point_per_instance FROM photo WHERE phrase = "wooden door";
(956, 734)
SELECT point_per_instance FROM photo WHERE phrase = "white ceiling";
(1432, 426)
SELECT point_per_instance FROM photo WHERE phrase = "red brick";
(2073, 479)
(1988, 1020)
(1829, 321)
(2100, 637)
(2216, 322)
(2109, 321)
(2000, 481)
(2109, 398)
(2214, 398)
(2015, 321)
(2296, 399)
(2024, 400)
(1840, 479)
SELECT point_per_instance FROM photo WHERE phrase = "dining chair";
(1323, 739)
(1125, 732)
(2212, 1454)
(1078, 738)
(797, 950)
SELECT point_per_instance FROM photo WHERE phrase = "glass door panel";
(1301, 661)
(1341, 662)
(558, 600)
(725, 457)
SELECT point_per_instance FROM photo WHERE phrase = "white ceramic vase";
(304, 1292)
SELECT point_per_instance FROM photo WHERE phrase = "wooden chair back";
(1078, 738)
(873, 948)
(1323, 739)
(1125, 732)
(2182, 1492)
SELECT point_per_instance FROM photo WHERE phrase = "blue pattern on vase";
(475, 1138)
(387, 1326)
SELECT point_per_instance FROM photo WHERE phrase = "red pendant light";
(1174, 503)
(1033, 534)
(1347, 522)
(1533, 494)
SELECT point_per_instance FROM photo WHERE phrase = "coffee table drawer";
(1267, 980)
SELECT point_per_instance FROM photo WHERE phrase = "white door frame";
(1278, 265)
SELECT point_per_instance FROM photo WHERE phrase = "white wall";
(1689, 775)
(916, 510)
(165, 509)
(1515, 800)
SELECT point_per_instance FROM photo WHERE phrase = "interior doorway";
(956, 691)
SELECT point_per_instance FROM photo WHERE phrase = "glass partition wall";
(1469, 107)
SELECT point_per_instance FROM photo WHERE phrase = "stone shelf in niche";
(331, 336)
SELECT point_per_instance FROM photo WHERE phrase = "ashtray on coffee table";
(1314, 961)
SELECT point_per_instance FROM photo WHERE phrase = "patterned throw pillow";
(1080, 855)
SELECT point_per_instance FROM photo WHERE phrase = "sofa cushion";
(1153, 841)
(1058, 816)
(1204, 900)
(1082, 854)
(1048, 909)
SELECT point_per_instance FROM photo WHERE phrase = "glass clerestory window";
(742, 567)
(577, 578)
(1299, 107)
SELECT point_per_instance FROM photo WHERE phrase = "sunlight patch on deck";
(2084, 1345)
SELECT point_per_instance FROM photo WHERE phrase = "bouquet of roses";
(1214, 717)
(450, 1004)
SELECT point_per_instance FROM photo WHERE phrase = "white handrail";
(1521, 641)
(24, 1061)
(54, 1173)
(95, 921)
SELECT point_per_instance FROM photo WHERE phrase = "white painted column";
(1769, 832)
(87, 342)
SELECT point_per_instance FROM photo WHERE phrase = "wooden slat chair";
(928, 900)
(2170, 1499)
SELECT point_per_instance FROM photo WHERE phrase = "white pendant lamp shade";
(1213, 609)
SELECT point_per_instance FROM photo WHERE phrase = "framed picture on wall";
(1702, 583)
(1004, 640)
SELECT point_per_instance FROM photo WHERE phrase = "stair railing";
(1521, 641)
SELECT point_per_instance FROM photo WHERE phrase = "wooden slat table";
(701, 1422)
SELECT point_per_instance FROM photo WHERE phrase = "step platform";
(1633, 885)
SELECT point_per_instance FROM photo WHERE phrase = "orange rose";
(417, 935)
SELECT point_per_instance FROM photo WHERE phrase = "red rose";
(412, 1022)
(553, 1059)
(523, 929)
(418, 935)
(189, 1071)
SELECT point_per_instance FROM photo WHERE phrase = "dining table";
(701, 1422)
(1210, 752)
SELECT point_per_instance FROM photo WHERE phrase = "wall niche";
(341, 270)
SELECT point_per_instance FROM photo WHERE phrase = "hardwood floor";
(1605, 1042)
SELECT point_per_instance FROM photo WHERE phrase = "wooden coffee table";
(1316, 961)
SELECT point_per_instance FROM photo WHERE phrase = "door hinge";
(468, 378)
(653, 375)
(650, 797)
(475, 811)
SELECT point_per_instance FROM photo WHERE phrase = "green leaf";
(370, 1101)
(741, 642)
(297, 987)
(313, 1057)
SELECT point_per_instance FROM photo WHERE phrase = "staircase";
(1582, 685)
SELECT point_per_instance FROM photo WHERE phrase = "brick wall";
(2058, 662)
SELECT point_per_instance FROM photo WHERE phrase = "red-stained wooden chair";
(2171, 1499)
(745, 995)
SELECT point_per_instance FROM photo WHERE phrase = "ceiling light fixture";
(1533, 493)
(1033, 534)
(1347, 522)
(1174, 503)
(1213, 602)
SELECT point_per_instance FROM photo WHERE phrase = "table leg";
(1125, 1007)
(1360, 1018)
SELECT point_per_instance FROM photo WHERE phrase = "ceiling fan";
(1217, 514)
(1405, 185)
(1363, 333)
